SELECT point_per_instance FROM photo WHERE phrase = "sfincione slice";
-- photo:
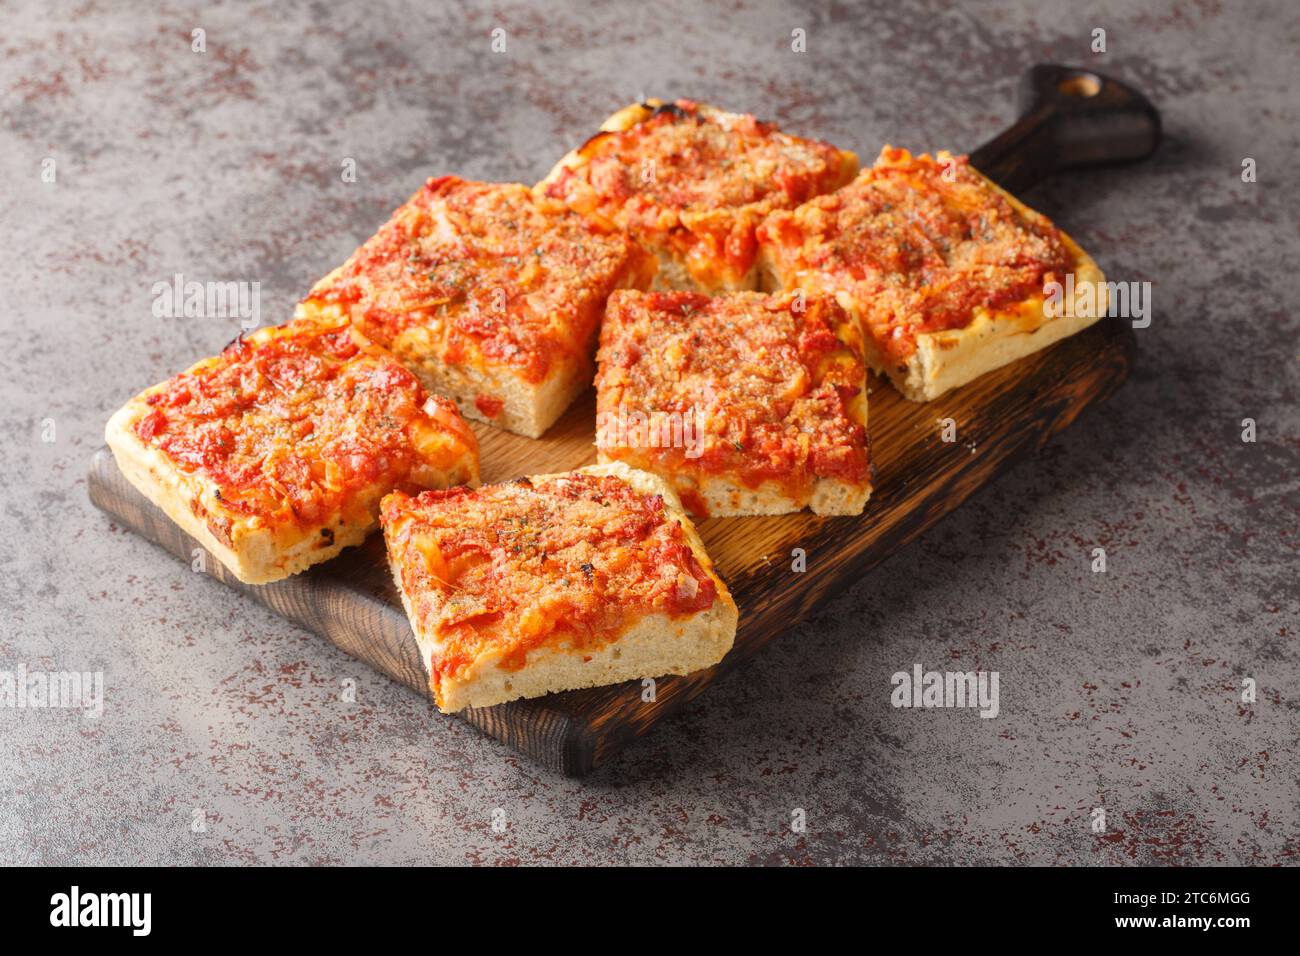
(745, 403)
(553, 583)
(949, 275)
(275, 454)
(490, 295)
(691, 182)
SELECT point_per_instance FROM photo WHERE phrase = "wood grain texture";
(351, 602)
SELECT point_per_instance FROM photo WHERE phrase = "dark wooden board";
(1069, 117)
(350, 601)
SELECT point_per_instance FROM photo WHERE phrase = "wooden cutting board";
(351, 602)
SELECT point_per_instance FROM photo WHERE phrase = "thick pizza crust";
(636, 113)
(653, 647)
(252, 553)
(830, 496)
(620, 122)
(951, 358)
(726, 499)
(527, 408)
(723, 498)
(673, 273)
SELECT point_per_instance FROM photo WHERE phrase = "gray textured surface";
(1118, 690)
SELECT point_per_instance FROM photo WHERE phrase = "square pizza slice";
(489, 295)
(949, 275)
(276, 453)
(691, 182)
(554, 582)
(745, 403)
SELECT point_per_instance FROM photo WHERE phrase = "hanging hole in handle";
(1082, 85)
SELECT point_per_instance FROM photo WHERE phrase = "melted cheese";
(769, 378)
(507, 568)
(696, 181)
(483, 276)
(916, 244)
(302, 423)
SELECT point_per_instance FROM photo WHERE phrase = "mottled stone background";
(1119, 690)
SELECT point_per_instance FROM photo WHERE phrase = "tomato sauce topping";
(479, 274)
(574, 559)
(490, 405)
(698, 181)
(751, 387)
(920, 244)
(292, 421)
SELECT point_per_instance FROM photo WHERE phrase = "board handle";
(1069, 117)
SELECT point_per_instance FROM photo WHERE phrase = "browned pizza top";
(770, 379)
(919, 243)
(292, 421)
(697, 180)
(490, 275)
(570, 559)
